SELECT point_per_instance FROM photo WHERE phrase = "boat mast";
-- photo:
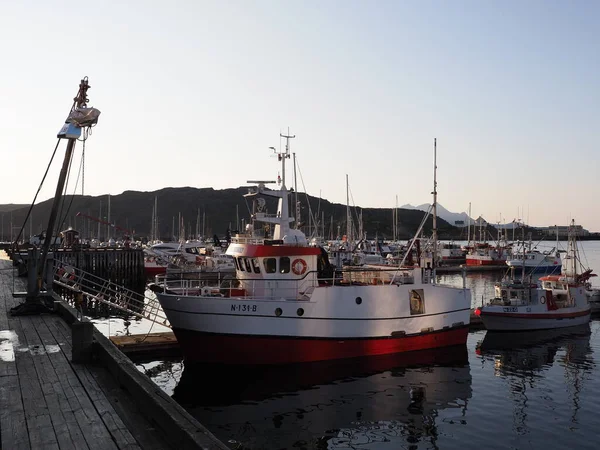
(282, 219)
(108, 220)
(297, 206)
(282, 157)
(434, 255)
(469, 227)
(348, 217)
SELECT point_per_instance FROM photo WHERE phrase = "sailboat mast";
(469, 227)
(348, 217)
(99, 223)
(296, 205)
(434, 258)
(108, 233)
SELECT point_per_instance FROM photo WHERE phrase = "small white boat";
(534, 260)
(561, 301)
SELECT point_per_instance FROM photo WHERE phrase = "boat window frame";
(267, 265)
(255, 265)
(283, 266)
(241, 264)
(248, 265)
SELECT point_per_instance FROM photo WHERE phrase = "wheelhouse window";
(240, 263)
(235, 263)
(284, 264)
(270, 265)
(255, 265)
(247, 264)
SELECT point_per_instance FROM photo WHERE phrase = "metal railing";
(88, 286)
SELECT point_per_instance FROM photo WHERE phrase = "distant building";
(459, 223)
(563, 231)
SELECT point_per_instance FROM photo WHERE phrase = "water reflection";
(530, 360)
(388, 402)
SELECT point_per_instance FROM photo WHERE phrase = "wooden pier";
(123, 266)
(47, 401)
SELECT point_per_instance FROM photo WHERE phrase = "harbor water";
(501, 390)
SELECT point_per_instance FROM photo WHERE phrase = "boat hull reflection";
(335, 403)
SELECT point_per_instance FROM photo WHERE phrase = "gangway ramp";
(95, 289)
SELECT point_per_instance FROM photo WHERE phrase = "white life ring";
(206, 291)
(299, 266)
(542, 299)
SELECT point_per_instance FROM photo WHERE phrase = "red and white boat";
(561, 301)
(451, 253)
(287, 304)
(484, 254)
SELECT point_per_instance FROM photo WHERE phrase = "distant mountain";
(215, 211)
(450, 217)
(11, 207)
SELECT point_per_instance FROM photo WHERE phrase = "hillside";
(133, 210)
(442, 212)
(11, 207)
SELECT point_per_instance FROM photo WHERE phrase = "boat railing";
(252, 240)
(228, 285)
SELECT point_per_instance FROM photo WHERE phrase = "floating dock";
(47, 401)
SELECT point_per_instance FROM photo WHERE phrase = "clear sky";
(193, 93)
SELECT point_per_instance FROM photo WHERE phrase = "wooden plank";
(36, 410)
(90, 420)
(13, 428)
(68, 433)
(108, 415)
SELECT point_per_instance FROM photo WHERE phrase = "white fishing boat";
(531, 259)
(534, 260)
(560, 301)
(189, 255)
(287, 304)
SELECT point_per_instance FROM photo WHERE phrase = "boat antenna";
(285, 155)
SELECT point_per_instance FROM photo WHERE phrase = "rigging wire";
(37, 193)
(79, 173)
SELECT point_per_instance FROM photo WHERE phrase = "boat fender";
(542, 299)
(299, 266)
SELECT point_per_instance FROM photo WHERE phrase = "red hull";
(485, 262)
(245, 349)
(155, 270)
